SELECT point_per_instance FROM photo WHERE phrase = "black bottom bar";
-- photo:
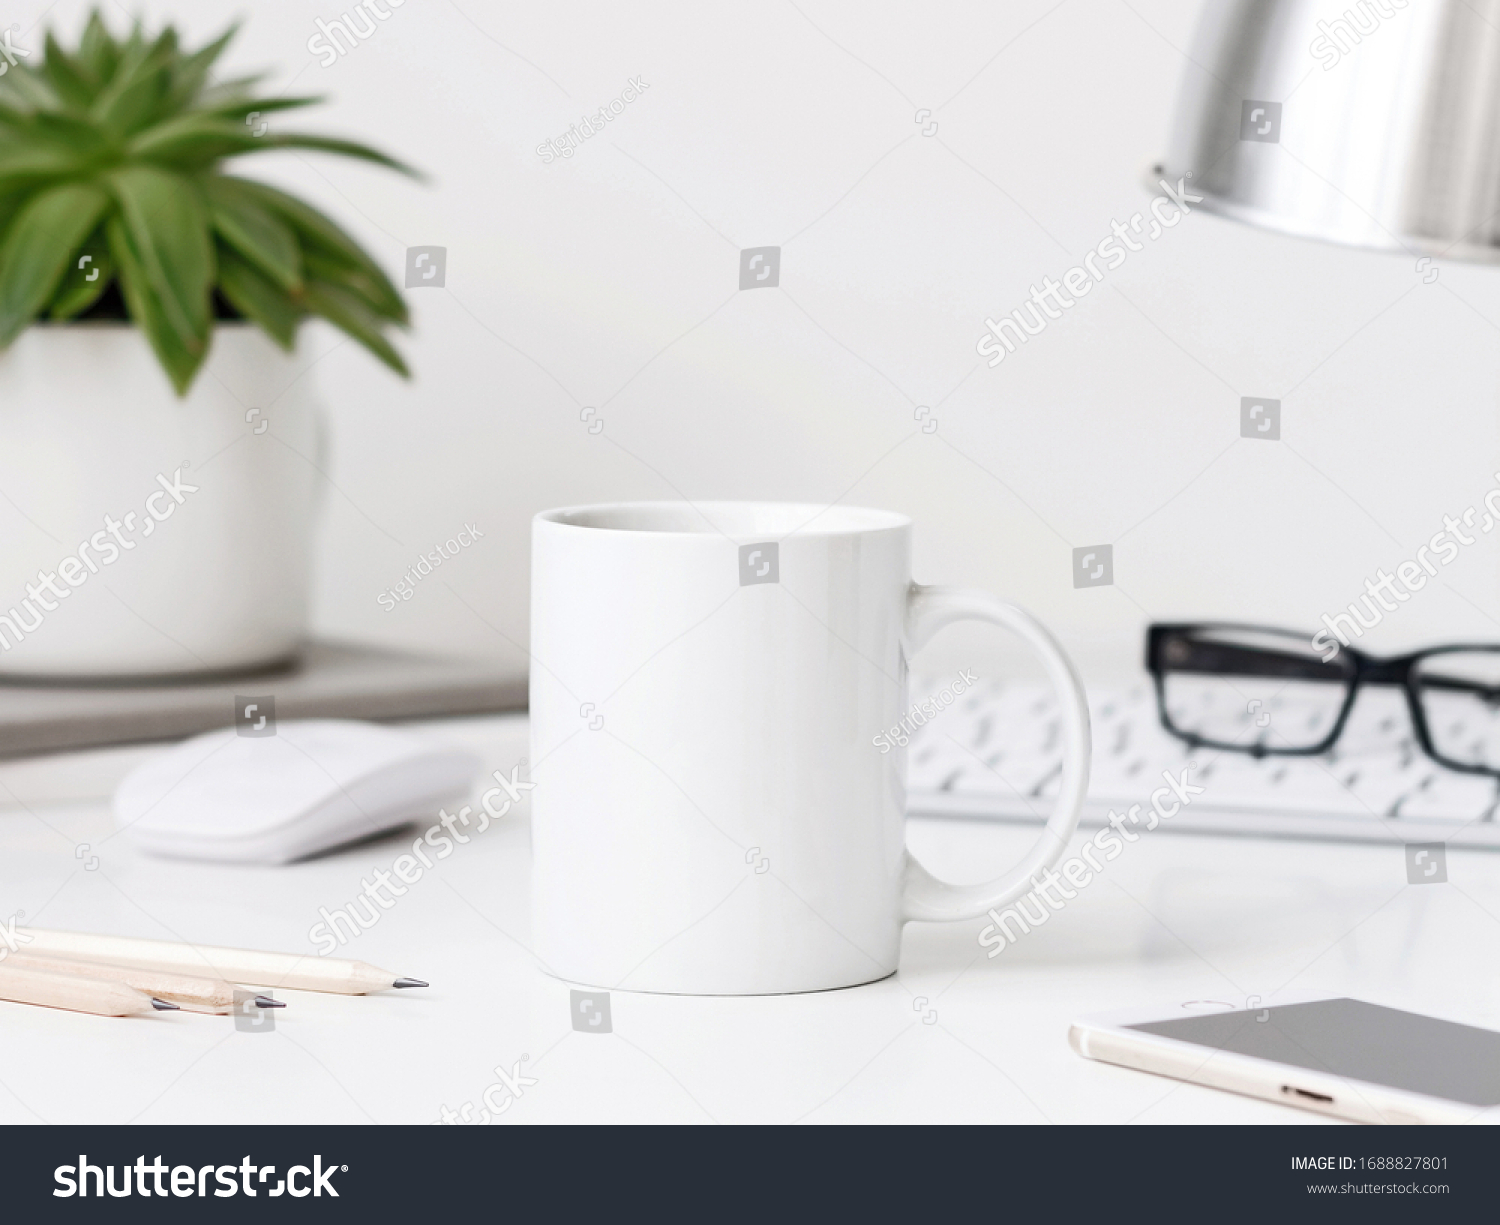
(824, 1174)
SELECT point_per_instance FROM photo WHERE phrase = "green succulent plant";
(114, 203)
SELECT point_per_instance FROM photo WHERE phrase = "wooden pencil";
(295, 971)
(188, 992)
(101, 997)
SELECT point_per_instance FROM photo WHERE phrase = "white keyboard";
(997, 753)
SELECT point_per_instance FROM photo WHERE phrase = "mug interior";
(736, 519)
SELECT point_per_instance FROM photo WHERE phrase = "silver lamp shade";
(1371, 124)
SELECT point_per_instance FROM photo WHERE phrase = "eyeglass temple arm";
(1179, 652)
(1453, 684)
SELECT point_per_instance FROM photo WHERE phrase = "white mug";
(712, 812)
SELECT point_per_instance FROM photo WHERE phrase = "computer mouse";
(313, 785)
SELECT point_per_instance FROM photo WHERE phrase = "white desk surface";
(954, 1037)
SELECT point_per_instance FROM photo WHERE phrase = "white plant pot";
(91, 433)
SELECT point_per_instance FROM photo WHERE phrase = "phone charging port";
(1307, 1093)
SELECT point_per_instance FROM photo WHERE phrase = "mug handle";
(923, 896)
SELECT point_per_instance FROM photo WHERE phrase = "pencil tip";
(163, 1006)
(408, 982)
(265, 1001)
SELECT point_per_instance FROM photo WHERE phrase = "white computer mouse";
(313, 785)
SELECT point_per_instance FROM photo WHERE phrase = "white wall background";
(609, 280)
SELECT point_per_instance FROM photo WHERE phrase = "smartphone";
(1339, 1057)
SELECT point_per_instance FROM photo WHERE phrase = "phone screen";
(1350, 1038)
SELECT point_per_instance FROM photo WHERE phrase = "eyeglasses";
(1272, 692)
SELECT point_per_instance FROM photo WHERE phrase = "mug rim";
(851, 520)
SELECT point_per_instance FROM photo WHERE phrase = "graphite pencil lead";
(163, 1006)
(265, 1001)
(408, 982)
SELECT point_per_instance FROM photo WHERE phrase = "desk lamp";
(1372, 123)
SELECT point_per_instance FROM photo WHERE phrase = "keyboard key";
(999, 752)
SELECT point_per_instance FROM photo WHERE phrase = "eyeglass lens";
(1244, 688)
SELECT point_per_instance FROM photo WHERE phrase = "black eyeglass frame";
(1357, 669)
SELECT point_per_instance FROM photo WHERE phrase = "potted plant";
(159, 451)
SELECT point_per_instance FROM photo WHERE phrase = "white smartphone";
(1340, 1057)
